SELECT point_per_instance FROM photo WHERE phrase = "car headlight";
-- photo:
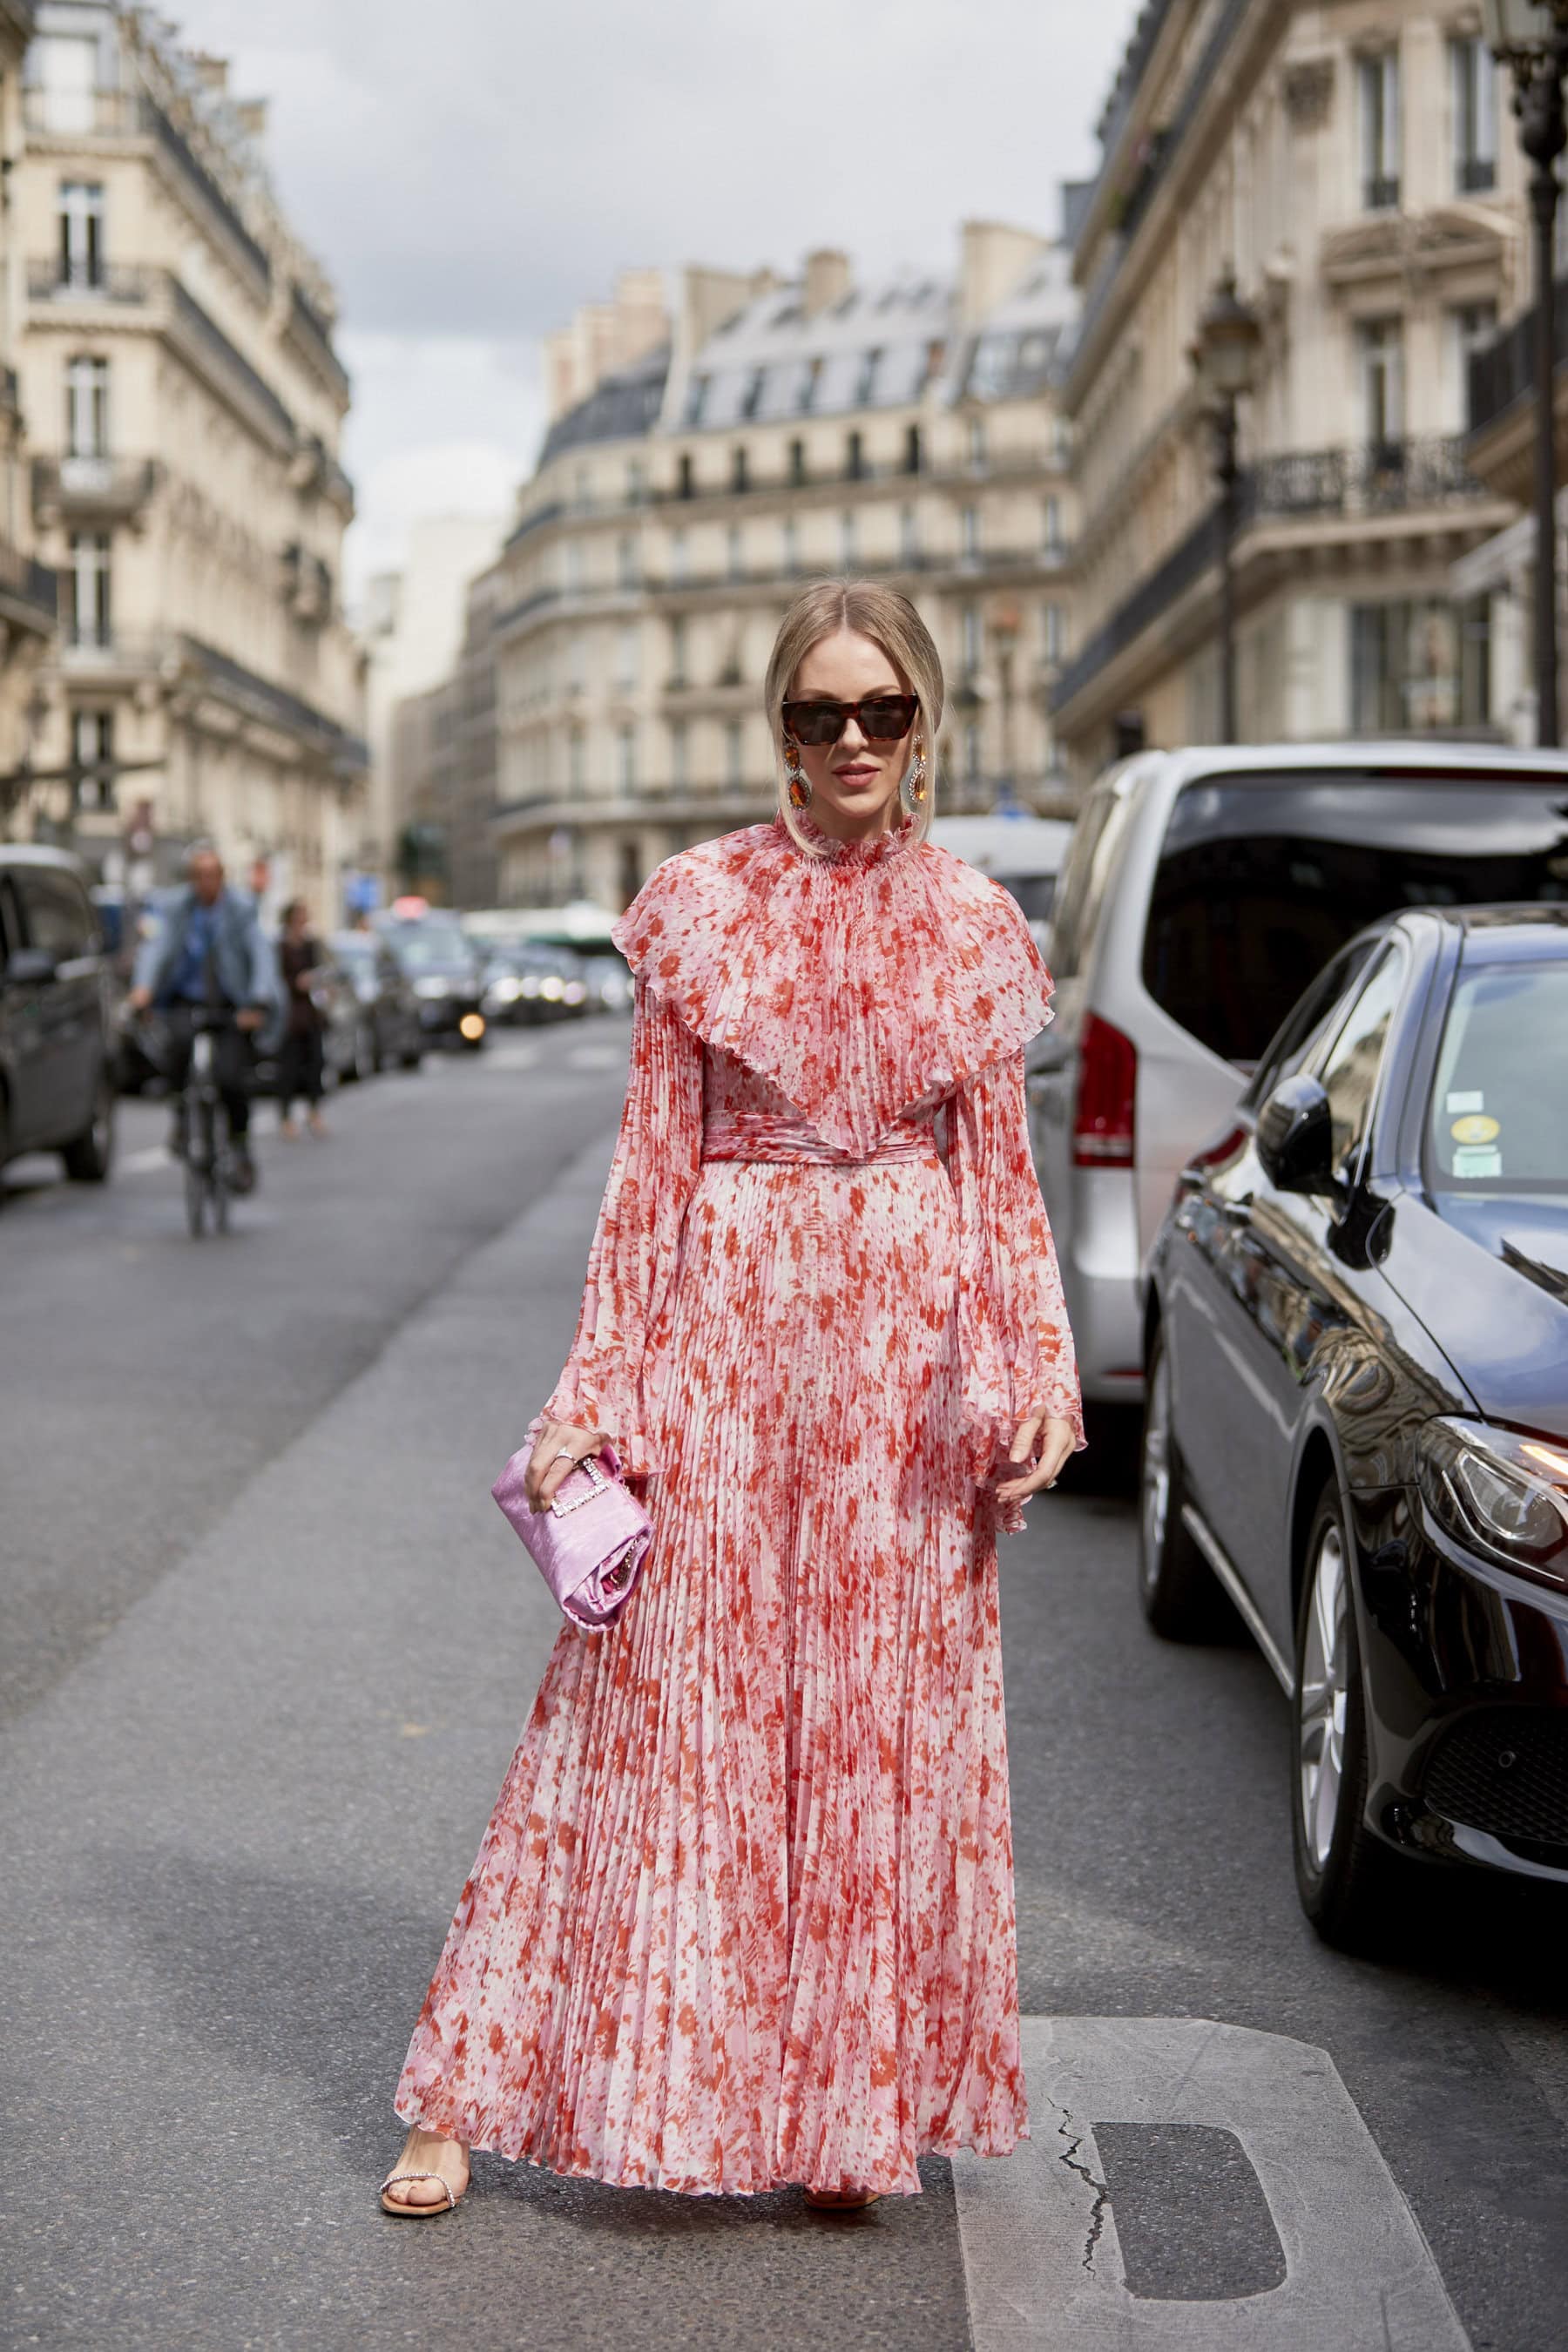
(1504, 1496)
(433, 988)
(575, 992)
(552, 988)
(503, 991)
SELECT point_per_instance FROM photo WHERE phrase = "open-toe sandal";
(405, 2211)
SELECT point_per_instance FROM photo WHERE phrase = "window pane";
(58, 915)
(1259, 882)
(1350, 1077)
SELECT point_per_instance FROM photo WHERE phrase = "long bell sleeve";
(610, 1379)
(1017, 1350)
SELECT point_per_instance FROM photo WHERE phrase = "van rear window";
(1262, 879)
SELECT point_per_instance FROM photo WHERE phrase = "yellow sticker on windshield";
(1477, 1129)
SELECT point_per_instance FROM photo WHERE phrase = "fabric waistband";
(775, 1143)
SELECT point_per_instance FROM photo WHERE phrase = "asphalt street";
(268, 1646)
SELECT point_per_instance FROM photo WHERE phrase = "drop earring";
(797, 780)
(912, 791)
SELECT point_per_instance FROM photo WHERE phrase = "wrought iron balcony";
(1504, 371)
(1379, 191)
(1376, 478)
(29, 590)
(1382, 478)
(66, 487)
(54, 279)
(1476, 174)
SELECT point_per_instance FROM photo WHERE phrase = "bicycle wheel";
(220, 1197)
(201, 1163)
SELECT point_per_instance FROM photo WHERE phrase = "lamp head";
(1230, 336)
(1523, 28)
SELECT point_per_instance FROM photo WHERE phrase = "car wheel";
(410, 1061)
(1345, 1876)
(89, 1156)
(1181, 1596)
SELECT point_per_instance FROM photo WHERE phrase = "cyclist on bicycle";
(210, 955)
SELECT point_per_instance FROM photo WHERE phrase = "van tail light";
(1107, 1084)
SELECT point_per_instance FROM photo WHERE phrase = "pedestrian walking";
(299, 1055)
(744, 1914)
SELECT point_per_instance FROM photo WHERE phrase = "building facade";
(414, 633)
(184, 403)
(28, 589)
(1347, 162)
(443, 762)
(751, 436)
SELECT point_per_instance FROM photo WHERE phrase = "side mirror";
(30, 967)
(1296, 1136)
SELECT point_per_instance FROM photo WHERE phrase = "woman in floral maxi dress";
(744, 1914)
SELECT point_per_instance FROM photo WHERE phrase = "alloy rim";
(1156, 1473)
(1325, 1693)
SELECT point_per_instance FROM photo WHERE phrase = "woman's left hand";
(1054, 1439)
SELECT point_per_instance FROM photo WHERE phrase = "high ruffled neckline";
(861, 987)
(873, 851)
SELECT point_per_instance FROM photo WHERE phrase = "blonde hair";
(869, 610)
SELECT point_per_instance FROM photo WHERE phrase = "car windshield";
(1498, 1121)
(436, 948)
(1262, 878)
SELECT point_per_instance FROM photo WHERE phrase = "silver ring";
(565, 1453)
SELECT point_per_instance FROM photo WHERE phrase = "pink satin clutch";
(589, 1541)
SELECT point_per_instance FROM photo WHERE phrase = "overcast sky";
(470, 174)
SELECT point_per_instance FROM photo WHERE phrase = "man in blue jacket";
(211, 954)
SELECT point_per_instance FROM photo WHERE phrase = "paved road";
(268, 1651)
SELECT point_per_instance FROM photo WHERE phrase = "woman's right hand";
(546, 1469)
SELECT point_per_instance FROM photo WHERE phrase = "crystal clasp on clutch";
(559, 1502)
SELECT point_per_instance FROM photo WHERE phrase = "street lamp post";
(1225, 357)
(1532, 39)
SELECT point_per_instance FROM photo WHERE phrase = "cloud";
(468, 179)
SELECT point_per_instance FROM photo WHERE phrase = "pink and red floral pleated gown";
(744, 1914)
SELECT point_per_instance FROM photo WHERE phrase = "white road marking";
(136, 1163)
(1041, 2259)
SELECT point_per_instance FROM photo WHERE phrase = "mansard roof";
(623, 406)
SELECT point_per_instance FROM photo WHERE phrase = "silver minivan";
(1202, 890)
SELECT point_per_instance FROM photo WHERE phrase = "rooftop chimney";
(997, 259)
(827, 279)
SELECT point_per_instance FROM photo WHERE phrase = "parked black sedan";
(57, 1047)
(1357, 1428)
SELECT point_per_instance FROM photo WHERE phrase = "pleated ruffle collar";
(858, 1002)
(851, 856)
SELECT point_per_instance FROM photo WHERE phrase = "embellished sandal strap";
(392, 2177)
